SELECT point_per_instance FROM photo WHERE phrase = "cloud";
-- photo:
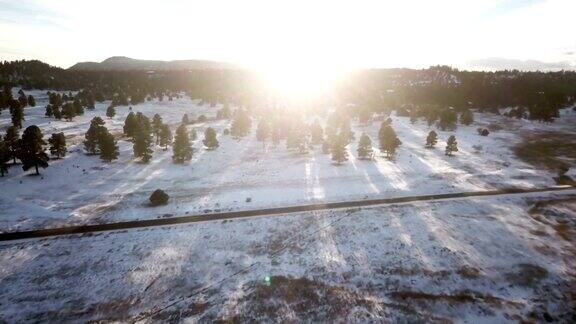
(498, 63)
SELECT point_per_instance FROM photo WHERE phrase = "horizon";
(484, 35)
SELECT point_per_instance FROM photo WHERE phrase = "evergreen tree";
(49, 112)
(11, 139)
(431, 116)
(210, 140)
(110, 111)
(241, 124)
(4, 157)
(316, 132)
(451, 145)
(31, 149)
(185, 119)
(448, 119)
(93, 135)
(467, 117)
(165, 136)
(365, 150)
(275, 135)
(346, 131)
(325, 147)
(17, 112)
(193, 134)
(31, 101)
(142, 145)
(57, 145)
(130, 125)
(57, 112)
(263, 131)
(338, 149)
(157, 126)
(431, 139)
(107, 146)
(182, 150)
(68, 111)
(389, 142)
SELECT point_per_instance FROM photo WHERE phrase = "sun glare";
(299, 82)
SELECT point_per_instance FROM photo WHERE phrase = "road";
(83, 229)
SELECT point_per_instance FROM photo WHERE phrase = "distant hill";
(122, 63)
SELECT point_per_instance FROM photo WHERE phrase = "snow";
(81, 189)
(478, 247)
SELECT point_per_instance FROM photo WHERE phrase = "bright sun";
(299, 81)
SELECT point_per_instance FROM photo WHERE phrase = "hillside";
(122, 63)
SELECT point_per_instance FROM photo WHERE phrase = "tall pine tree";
(11, 138)
(365, 150)
(389, 142)
(431, 139)
(107, 146)
(182, 150)
(93, 135)
(57, 145)
(451, 145)
(31, 149)
(210, 140)
(165, 136)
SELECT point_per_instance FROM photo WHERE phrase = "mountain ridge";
(123, 63)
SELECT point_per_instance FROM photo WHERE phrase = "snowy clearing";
(241, 174)
(471, 260)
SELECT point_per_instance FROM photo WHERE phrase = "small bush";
(159, 197)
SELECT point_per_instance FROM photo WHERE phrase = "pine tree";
(448, 119)
(451, 145)
(182, 150)
(49, 111)
(316, 132)
(68, 111)
(107, 146)
(467, 117)
(263, 131)
(57, 145)
(210, 140)
(431, 139)
(31, 149)
(346, 131)
(57, 112)
(338, 149)
(31, 101)
(157, 126)
(389, 142)
(275, 136)
(4, 157)
(193, 134)
(110, 111)
(130, 125)
(142, 145)
(365, 147)
(93, 135)
(241, 124)
(325, 147)
(165, 136)
(431, 116)
(11, 139)
(185, 119)
(17, 112)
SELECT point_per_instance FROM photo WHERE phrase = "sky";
(467, 34)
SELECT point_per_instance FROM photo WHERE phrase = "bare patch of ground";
(550, 150)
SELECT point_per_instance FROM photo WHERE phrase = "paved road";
(82, 229)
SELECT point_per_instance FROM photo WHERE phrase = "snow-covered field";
(469, 260)
(81, 189)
